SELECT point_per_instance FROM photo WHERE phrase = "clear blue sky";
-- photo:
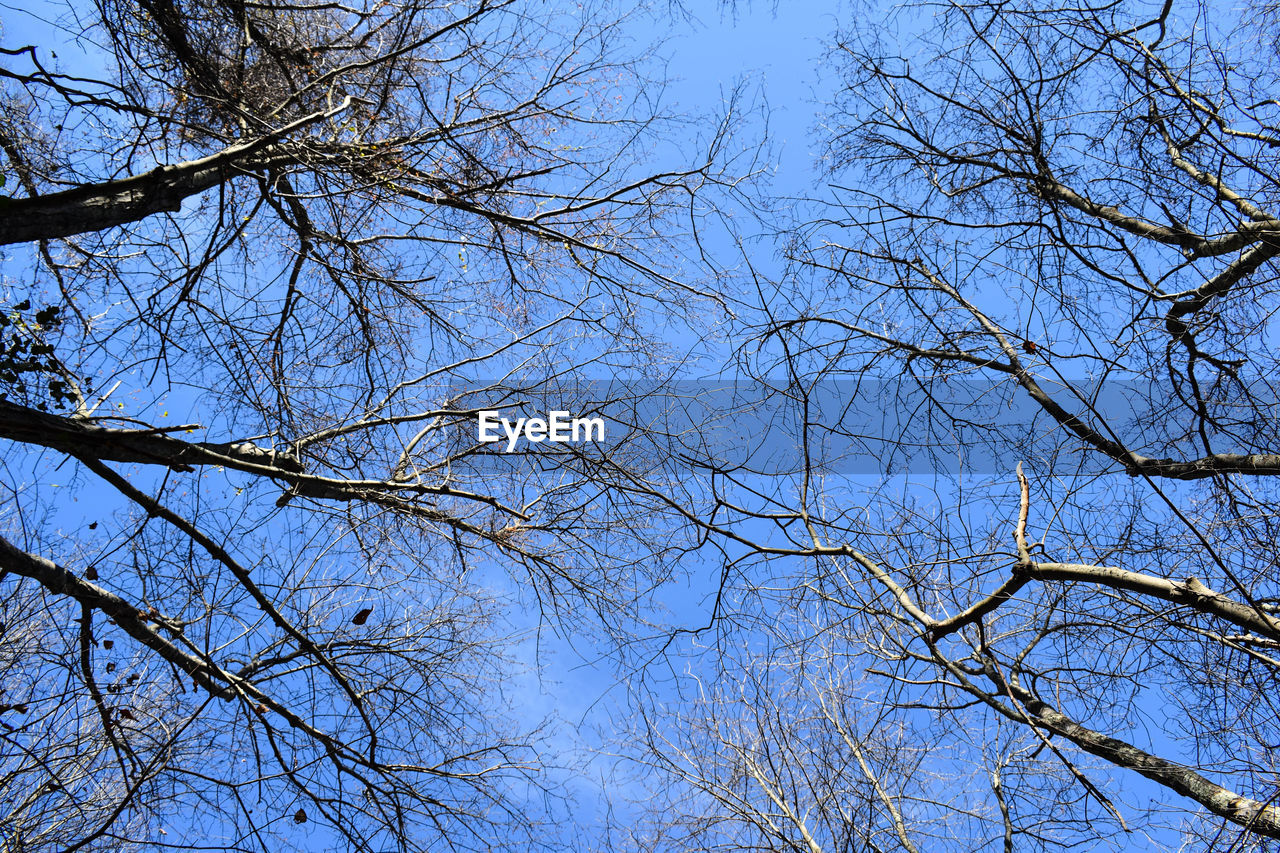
(776, 54)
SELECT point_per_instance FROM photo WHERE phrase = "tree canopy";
(985, 524)
(1047, 247)
(267, 261)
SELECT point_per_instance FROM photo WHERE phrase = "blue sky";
(775, 55)
(772, 56)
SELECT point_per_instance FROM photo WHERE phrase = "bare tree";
(1074, 209)
(260, 259)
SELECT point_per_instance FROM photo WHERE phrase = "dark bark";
(1262, 818)
(99, 206)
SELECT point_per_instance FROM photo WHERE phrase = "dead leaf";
(361, 617)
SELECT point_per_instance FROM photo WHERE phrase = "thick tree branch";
(61, 581)
(95, 207)
(80, 438)
(1262, 818)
